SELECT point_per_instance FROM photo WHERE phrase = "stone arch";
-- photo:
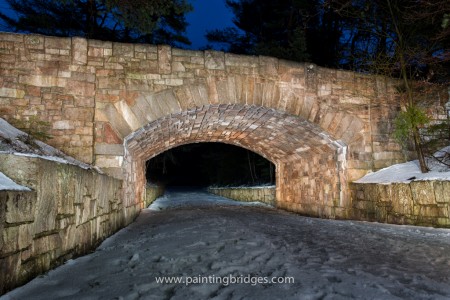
(310, 167)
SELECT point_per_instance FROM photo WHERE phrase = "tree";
(273, 28)
(298, 30)
(150, 21)
(386, 37)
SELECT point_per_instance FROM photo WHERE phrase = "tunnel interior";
(200, 165)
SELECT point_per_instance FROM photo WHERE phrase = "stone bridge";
(117, 105)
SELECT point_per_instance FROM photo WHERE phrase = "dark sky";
(207, 15)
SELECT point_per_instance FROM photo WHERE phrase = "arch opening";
(310, 164)
(200, 165)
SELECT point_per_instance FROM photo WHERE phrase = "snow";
(7, 184)
(327, 259)
(244, 187)
(17, 142)
(409, 171)
(186, 197)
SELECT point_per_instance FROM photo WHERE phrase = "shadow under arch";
(197, 166)
(310, 164)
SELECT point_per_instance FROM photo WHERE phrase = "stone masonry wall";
(308, 166)
(69, 211)
(95, 93)
(246, 194)
(48, 78)
(98, 94)
(425, 203)
(152, 193)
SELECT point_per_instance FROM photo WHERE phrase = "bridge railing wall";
(69, 211)
(424, 203)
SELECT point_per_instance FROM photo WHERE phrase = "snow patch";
(410, 171)
(16, 142)
(177, 199)
(7, 184)
(402, 173)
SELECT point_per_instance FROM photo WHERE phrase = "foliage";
(397, 38)
(151, 21)
(273, 28)
(406, 121)
(378, 35)
(437, 137)
(360, 35)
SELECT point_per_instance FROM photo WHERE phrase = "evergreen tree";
(273, 28)
(298, 30)
(150, 21)
(405, 38)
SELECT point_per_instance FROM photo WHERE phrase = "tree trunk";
(409, 94)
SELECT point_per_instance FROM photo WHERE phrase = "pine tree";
(150, 21)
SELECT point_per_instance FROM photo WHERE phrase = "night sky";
(207, 15)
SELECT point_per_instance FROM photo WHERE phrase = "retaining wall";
(424, 203)
(152, 192)
(247, 194)
(69, 211)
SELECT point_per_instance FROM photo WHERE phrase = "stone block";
(108, 149)
(123, 50)
(42, 80)
(46, 244)
(214, 60)
(10, 266)
(12, 93)
(20, 207)
(58, 43)
(164, 59)
(117, 121)
(442, 191)
(109, 161)
(402, 202)
(79, 51)
(9, 240)
(423, 192)
(63, 125)
(241, 60)
(127, 114)
(80, 88)
(78, 113)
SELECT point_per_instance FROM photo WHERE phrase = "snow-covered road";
(326, 259)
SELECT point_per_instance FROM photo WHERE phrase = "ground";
(213, 241)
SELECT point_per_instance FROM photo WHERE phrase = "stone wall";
(424, 203)
(246, 194)
(102, 98)
(96, 93)
(68, 212)
(47, 78)
(152, 192)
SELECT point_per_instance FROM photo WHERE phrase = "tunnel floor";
(222, 244)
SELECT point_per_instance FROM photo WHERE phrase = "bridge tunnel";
(308, 162)
(200, 165)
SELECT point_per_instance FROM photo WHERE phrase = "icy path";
(327, 259)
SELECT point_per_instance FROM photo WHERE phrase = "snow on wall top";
(15, 141)
(7, 184)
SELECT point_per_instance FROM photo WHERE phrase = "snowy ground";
(410, 170)
(326, 259)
